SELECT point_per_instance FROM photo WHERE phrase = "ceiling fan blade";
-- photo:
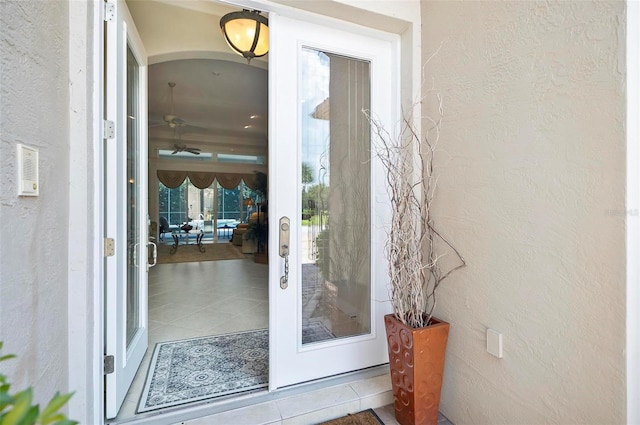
(179, 122)
(155, 123)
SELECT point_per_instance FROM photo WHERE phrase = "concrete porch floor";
(316, 406)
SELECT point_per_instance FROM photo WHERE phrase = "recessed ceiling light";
(248, 126)
(254, 116)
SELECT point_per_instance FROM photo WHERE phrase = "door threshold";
(368, 394)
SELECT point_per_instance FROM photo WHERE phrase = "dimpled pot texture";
(416, 359)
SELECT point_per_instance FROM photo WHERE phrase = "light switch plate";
(494, 343)
(28, 171)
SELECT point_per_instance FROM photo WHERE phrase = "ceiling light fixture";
(246, 32)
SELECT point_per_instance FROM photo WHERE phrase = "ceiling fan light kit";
(174, 121)
(171, 119)
(246, 33)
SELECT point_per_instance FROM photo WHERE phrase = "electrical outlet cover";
(494, 343)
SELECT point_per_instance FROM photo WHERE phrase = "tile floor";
(316, 406)
(188, 300)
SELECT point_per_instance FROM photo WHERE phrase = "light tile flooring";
(188, 300)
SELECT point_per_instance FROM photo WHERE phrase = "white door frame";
(86, 273)
(632, 208)
(123, 37)
(86, 328)
(289, 361)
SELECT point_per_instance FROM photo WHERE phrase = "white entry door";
(326, 190)
(126, 320)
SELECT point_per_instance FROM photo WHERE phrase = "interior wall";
(171, 32)
(34, 110)
(532, 192)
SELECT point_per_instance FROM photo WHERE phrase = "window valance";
(204, 179)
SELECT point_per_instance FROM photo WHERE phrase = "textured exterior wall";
(532, 192)
(34, 110)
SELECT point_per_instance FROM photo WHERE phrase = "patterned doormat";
(200, 368)
(366, 417)
(196, 369)
(315, 331)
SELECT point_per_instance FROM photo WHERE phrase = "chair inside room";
(165, 227)
(239, 238)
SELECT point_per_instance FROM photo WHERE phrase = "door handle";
(155, 255)
(285, 225)
(135, 254)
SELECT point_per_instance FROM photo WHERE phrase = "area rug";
(190, 253)
(200, 368)
(196, 369)
(366, 417)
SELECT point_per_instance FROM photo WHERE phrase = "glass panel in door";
(335, 229)
(133, 199)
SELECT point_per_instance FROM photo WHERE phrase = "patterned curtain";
(202, 179)
(228, 180)
(171, 179)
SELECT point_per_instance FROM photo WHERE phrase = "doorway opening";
(325, 251)
(207, 199)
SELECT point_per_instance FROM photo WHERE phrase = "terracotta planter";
(416, 358)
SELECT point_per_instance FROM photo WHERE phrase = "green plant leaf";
(30, 417)
(21, 406)
(48, 414)
(17, 409)
(5, 399)
(53, 418)
(66, 422)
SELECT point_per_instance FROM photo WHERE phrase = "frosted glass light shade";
(246, 32)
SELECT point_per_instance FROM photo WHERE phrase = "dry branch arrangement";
(414, 248)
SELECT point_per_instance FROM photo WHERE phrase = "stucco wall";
(34, 110)
(532, 192)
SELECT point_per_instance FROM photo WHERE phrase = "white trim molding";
(633, 204)
(85, 213)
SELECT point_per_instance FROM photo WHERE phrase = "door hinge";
(109, 247)
(109, 11)
(109, 364)
(108, 130)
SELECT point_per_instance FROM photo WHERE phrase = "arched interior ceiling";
(222, 99)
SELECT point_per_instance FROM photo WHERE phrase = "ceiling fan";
(181, 147)
(171, 119)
